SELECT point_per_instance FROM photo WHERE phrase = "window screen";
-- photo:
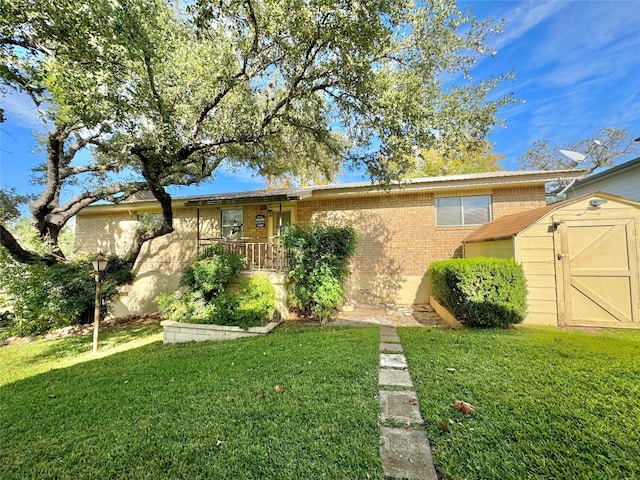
(473, 210)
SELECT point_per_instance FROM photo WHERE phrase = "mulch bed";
(112, 323)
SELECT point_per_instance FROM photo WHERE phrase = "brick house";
(402, 229)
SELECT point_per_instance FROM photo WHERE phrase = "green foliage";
(247, 302)
(318, 257)
(40, 297)
(10, 201)
(481, 292)
(213, 292)
(211, 271)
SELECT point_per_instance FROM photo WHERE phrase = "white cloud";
(524, 17)
(20, 110)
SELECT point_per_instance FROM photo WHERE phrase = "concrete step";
(393, 360)
(394, 378)
(401, 406)
(390, 347)
(406, 454)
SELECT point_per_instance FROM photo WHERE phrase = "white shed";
(580, 258)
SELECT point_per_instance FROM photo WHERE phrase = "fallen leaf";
(464, 407)
(260, 396)
(451, 370)
(52, 396)
(219, 442)
(443, 426)
(279, 389)
(413, 401)
(172, 380)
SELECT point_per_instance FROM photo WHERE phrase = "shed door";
(597, 272)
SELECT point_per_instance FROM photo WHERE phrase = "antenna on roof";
(575, 157)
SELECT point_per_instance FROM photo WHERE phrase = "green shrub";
(246, 302)
(318, 257)
(41, 298)
(481, 292)
(212, 292)
(210, 272)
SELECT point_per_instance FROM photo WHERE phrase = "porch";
(259, 255)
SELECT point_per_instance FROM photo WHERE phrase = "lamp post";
(99, 264)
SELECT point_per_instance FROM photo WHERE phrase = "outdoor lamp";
(99, 264)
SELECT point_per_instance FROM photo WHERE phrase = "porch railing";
(259, 255)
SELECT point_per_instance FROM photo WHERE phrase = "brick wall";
(398, 237)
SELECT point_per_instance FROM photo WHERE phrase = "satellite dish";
(575, 157)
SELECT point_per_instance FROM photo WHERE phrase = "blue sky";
(577, 68)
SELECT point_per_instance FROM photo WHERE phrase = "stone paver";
(393, 360)
(390, 347)
(394, 378)
(390, 338)
(386, 330)
(401, 406)
(406, 454)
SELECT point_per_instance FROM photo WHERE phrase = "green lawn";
(194, 411)
(550, 403)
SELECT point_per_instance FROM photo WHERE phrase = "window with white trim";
(232, 222)
(472, 210)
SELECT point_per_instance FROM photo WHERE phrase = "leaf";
(443, 426)
(413, 401)
(464, 407)
(279, 389)
(260, 396)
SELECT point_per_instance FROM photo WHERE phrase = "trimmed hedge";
(481, 292)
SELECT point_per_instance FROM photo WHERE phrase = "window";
(473, 210)
(232, 222)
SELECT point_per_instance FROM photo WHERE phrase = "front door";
(597, 272)
(278, 220)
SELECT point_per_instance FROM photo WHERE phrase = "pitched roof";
(609, 172)
(510, 225)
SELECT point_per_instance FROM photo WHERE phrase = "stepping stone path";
(404, 450)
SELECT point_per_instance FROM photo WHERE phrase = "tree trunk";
(8, 241)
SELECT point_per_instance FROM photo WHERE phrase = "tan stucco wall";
(398, 239)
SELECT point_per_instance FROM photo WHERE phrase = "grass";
(550, 403)
(194, 411)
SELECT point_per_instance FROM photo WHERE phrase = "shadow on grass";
(204, 410)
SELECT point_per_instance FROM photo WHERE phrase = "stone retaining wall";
(176, 332)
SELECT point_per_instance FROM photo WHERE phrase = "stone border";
(447, 317)
(176, 332)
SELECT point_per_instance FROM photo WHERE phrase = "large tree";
(468, 158)
(604, 148)
(165, 94)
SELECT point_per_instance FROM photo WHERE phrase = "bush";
(481, 292)
(211, 271)
(41, 298)
(212, 292)
(318, 257)
(247, 302)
